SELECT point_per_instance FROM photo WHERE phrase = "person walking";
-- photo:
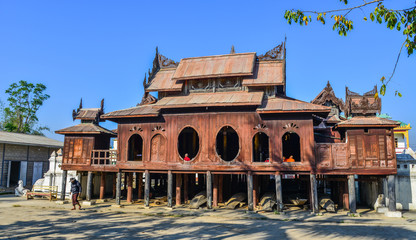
(75, 191)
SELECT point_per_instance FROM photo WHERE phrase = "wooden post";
(63, 187)
(129, 187)
(220, 187)
(209, 190)
(118, 188)
(178, 189)
(215, 192)
(391, 185)
(250, 190)
(146, 188)
(255, 190)
(314, 194)
(351, 194)
(279, 197)
(185, 188)
(102, 185)
(114, 185)
(140, 185)
(170, 188)
(89, 186)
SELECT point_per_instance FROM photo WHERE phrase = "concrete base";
(60, 202)
(101, 200)
(396, 214)
(88, 203)
(382, 210)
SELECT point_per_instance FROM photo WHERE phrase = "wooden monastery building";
(222, 125)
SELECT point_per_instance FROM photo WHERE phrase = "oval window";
(227, 144)
(188, 143)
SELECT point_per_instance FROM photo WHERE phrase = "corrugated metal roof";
(368, 121)
(88, 113)
(139, 111)
(212, 99)
(163, 81)
(85, 128)
(29, 140)
(266, 73)
(285, 104)
(239, 64)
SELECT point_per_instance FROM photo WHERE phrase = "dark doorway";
(227, 145)
(260, 147)
(188, 143)
(14, 173)
(291, 147)
(135, 152)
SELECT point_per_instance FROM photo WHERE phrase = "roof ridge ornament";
(160, 62)
(277, 53)
(232, 51)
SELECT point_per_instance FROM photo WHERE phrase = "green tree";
(402, 20)
(24, 100)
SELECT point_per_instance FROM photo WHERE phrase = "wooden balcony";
(103, 157)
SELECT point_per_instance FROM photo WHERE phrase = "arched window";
(188, 143)
(227, 144)
(291, 147)
(260, 147)
(135, 152)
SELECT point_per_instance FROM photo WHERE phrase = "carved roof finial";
(145, 81)
(156, 66)
(80, 105)
(232, 50)
(102, 105)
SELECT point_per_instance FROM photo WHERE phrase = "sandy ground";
(41, 219)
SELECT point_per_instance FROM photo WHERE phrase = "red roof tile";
(285, 104)
(266, 73)
(360, 121)
(163, 81)
(139, 111)
(85, 128)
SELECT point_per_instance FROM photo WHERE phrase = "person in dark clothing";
(75, 191)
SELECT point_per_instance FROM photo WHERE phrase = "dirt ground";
(41, 219)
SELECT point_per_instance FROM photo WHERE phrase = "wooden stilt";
(102, 185)
(250, 191)
(118, 188)
(255, 190)
(209, 189)
(351, 194)
(185, 188)
(146, 188)
(63, 187)
(170, 188)
(140, 186)
(129, 187)
(89, 186)
(279, 197)
(391, 185)
(314, 194)
(114, 185)
(220, 187)
(178, 189)
(215, 192)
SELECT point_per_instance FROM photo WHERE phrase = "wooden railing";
(103, 157)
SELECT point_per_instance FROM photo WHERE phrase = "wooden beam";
(102, 185)
(114, 185)
(351, 194)
(215, 192)
(209, 190)
(146, 188)
(314, 194)
(220, 188)
(170, 188)
(178, 189)
(250, 190)
(118, 188)
(391, 189)
(89, 186)
(279, 197)
(63, 187)
(129, 187)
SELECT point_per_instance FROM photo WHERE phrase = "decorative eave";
(328, 94)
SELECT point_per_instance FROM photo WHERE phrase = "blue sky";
(101, 49)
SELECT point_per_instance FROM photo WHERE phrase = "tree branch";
(397, 61)
(346, 9)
